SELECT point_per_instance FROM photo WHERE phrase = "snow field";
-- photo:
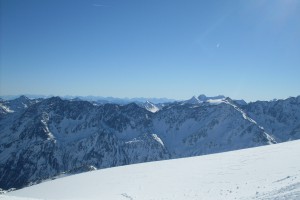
(268, 172)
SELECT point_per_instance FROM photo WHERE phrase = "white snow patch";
(215, 101)
(44, 121)
(6, 109)
(203, 99)
(195, 106)
(134, 140)
(151, 107)
(153, 110)
(93, 167)
(158, 139)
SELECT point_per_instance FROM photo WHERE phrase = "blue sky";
(151, 48)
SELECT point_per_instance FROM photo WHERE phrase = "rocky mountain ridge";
(45, 138)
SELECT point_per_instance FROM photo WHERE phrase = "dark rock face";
(42, 139)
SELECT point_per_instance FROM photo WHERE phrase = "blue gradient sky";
(154, 48)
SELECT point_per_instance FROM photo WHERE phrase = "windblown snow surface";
(268, 172)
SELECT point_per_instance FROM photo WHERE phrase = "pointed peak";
(193, 100)
(228, 98)
(21, 99)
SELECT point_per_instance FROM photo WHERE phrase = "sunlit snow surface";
(269, 172)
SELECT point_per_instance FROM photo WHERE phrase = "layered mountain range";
(48, 138)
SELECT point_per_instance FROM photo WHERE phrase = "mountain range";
(49, 137)
(96, 99)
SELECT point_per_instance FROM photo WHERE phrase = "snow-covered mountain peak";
(204, 99)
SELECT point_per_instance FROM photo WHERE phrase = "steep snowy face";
(149, 106)
(280, 118)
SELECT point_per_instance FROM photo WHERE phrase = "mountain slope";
(57, 136)
(281, 118)
(269, 172)
(189, 131)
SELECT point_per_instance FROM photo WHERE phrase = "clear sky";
(151, 48)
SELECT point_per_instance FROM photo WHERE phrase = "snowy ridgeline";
(269, 172)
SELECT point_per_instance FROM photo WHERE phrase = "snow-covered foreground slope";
(268, 172)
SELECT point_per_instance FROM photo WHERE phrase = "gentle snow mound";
(268, 172)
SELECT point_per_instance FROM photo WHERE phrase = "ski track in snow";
(263, 173)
